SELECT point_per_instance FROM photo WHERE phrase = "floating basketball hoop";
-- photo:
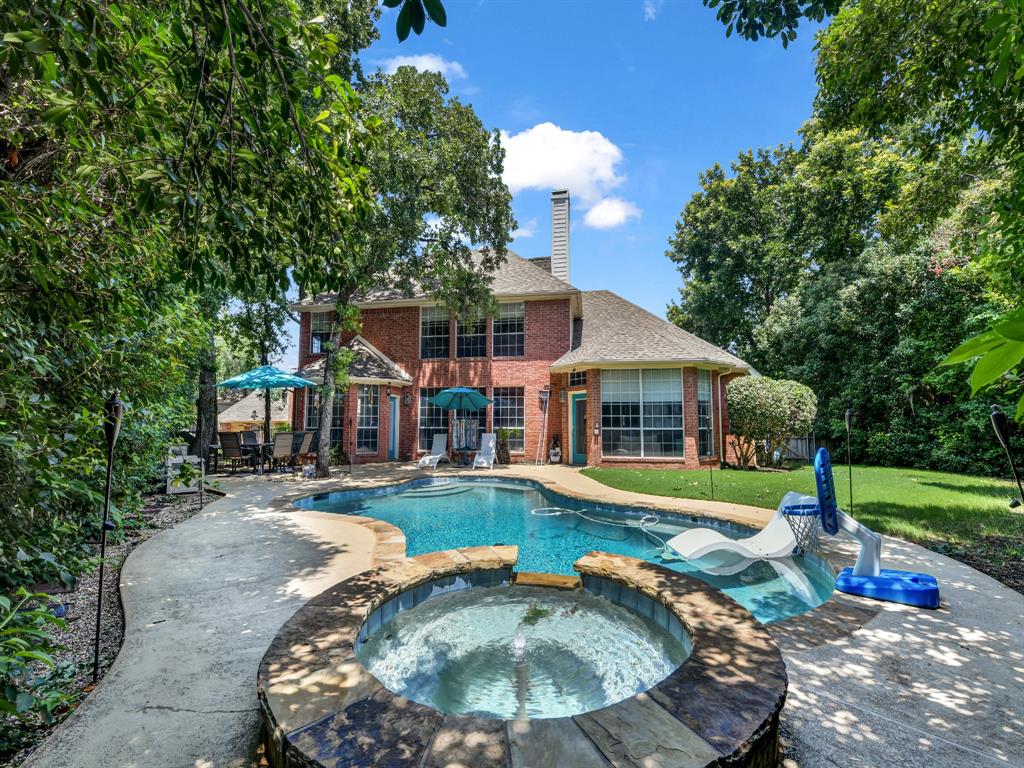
(805, 520)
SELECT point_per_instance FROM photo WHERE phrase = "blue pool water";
(446, 514)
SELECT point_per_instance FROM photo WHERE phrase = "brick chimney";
(560, 234)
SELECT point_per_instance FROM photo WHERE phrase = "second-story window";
(471, 337)
(510, 330)
(319, 332)
(433, 332)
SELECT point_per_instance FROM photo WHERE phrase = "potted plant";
(501, 453)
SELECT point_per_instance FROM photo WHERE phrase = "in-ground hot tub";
(520, 652)
(440, 659)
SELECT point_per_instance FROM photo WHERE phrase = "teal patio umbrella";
(266, 377)
(462, 399)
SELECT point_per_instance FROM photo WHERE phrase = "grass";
(963, 516)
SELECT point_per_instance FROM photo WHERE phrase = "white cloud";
(425, 62)
(549, 157)
(611, 212)
(525, 231)
(651, 8)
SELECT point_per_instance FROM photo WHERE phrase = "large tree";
(952, 66)
(747, 239)
(738, 248)
(879, 239)
(444, 216)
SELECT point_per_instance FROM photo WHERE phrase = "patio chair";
(281, 455)
(485, 456)
(232, 450)
(251, 446)
(305, 452)
(438, 453)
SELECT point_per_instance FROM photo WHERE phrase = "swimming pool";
(447, 513)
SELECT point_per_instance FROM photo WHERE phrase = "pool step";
(429, 491)
(532, 579)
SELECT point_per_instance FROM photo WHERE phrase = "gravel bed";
(160, 511)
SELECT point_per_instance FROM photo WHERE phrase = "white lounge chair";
(485, 456)
(438, 453)
(775, 540)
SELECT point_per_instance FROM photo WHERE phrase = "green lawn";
(962, 516)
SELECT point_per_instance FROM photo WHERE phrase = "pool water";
(520, 653)
(447, 514)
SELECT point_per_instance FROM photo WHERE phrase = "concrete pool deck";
(204, 599)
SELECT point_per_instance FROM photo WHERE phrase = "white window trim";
(359, 410)
(642, 456)
(311, 316)
(711, 413)
(487, 332)
(419, 419)
(495, 428)
(419, 336)
(513, 357)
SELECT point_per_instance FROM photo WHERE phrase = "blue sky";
(623, 102)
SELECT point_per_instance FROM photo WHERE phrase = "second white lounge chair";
(438, 453)
(773, 541)
(485, 456)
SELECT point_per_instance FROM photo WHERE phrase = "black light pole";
(111, 426)
(1002, 429)
(849, 461)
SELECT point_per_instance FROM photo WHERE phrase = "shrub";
(765, 413)
(26, 649)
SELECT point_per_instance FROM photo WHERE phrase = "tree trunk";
(323, 448)
(206, 403)
(265, 360)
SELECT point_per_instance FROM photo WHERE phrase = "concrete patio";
(203, 600)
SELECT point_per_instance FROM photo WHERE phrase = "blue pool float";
(867, 578)
(917, 589)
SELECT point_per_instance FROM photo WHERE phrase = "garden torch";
(1002, 429)
(111, 427)
(849, 461)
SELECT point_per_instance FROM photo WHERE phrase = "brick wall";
(395, 332)
(690, 460)
(730, 440)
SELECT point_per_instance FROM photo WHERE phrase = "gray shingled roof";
(613, 330)
(242, 409)
(515, 277)
(368, 363)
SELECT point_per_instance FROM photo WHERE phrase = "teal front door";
(578, 428)
(393, 434)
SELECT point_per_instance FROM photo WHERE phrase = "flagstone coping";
(836, 618)
(721, 706)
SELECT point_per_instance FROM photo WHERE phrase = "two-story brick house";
(617, 384)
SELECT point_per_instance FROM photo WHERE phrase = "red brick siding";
(395, 332)
(730, 440)
(690, 459)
